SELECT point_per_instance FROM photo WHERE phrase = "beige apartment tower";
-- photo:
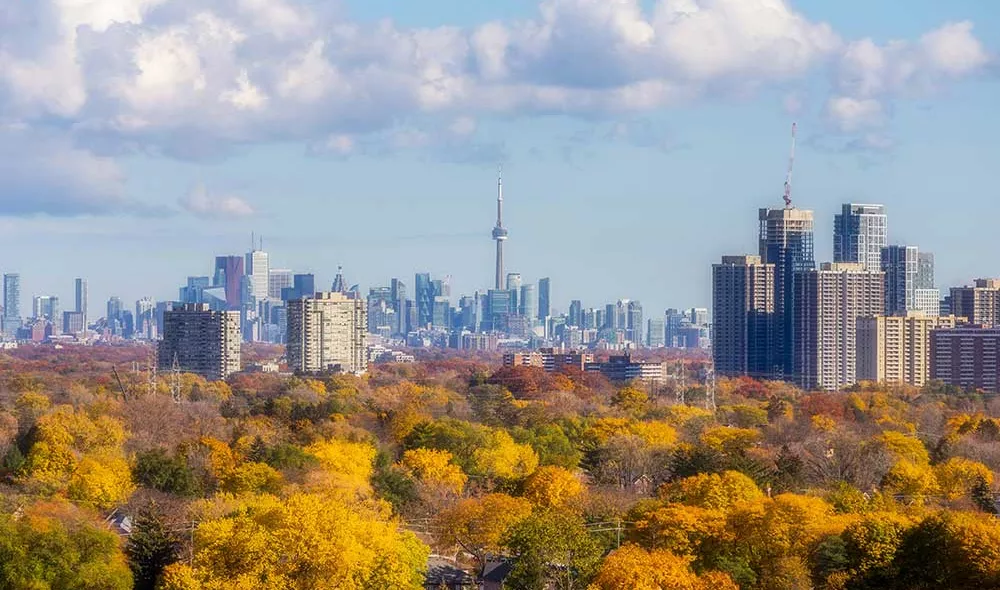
(743, 303)
(327, 333)
(897, 350)
(201, 341)
(978, 303)
(829, 302)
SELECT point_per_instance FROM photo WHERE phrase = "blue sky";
(139, 138)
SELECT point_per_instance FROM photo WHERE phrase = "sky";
(140, 138)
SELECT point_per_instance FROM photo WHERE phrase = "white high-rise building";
(328, 332)
(259, 272)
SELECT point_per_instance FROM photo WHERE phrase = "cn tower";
(499, 232)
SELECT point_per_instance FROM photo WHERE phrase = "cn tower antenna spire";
(791, 166)
(499, 232)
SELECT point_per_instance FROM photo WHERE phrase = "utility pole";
(175, 380)
(710, 389)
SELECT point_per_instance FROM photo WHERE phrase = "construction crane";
(791, 166)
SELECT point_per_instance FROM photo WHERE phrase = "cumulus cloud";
(203, 203)
(189, 78)
(45, 174)
(851, 114)
(870, 74)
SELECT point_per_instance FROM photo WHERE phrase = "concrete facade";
(897, 349)
(327, 333)
(203, 342)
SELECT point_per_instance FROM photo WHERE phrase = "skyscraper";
(423, 292)
(514, 286)
(258, 270)
(327, 332)
(925, 270)
(859, 234)
(654, 333)
(81, 301)
(339, 282)
(743, 304)
(529, 303)
(277, 281)
(633, 323)
(115, 308)
(499, 232)
(145, 318)
(575, 317)
(498, 309)
(786, 241)
(544, 294)
(11, 303)
(202, 341)
(901, 268)
(828, 303)
(229, 274)
(398, 288)
(46, 306)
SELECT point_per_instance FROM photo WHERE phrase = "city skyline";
(180, 147)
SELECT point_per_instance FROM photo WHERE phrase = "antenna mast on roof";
(791, 166)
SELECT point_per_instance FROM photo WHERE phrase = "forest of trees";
(279, 482)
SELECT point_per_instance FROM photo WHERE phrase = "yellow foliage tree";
(81, 456)
(630, 400)
(633, 568)
(252, 477)
(503, 458)
(712, 491)
(913, 480)
(656, 434)
(434, 468)
(553, 487)
(956, 476)
(680, 529)
(104, 483)
(904, 447)
(480, 525)
(306, 541)
(347, 466)
(729, 439)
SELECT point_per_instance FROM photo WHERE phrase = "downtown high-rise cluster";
(873, 314)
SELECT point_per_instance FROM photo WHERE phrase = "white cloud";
(852, 114)
(203, 203)
(953, 49)
(870, 74)
(192, 77)
(45, 174)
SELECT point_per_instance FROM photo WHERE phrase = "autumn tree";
(553, 487)
(481, 526)
(435, 469)
(304, 541)
(81, 456)
(553, 550)
(633, 568)
(53, 545)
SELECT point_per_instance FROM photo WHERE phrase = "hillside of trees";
(279, 482)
